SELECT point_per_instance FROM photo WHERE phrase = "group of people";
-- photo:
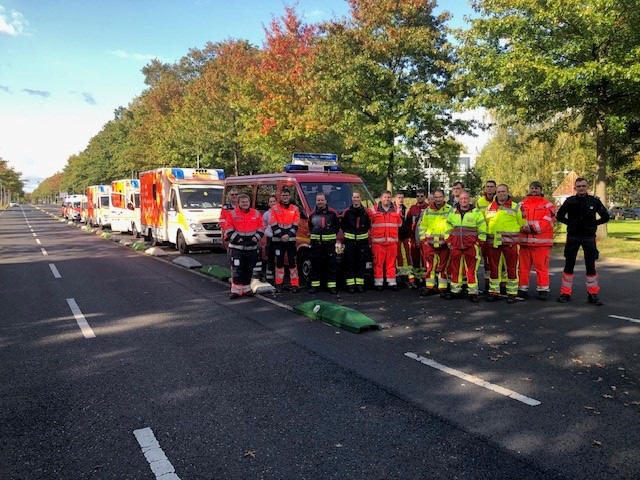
(435, 246)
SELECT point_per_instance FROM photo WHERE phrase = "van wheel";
(304, 267)
(181, 244)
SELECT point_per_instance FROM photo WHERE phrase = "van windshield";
(201, 197)
(104, 201)
(338, 194)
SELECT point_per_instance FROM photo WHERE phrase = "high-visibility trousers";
(404, 265)
(463, 262)
(538, 259)
(504, 257)
(590, 251)
(435, 262)
(384, 263)
(281, 250)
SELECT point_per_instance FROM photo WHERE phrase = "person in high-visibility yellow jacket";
(481, 204)
(466, 230)
(435, 251)
(504, 221)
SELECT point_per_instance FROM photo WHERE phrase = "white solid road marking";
(277, 303)
(634, 320)
(38, 241)
(158, 461)
(82, 322)
(473, 379)
(44, 252)
(54, 270)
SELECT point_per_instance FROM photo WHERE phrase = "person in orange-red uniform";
(536, 240)
(243, 231)
(483, 202)
(404, 264)
(385, 223)
(285, 220)
(413, 218)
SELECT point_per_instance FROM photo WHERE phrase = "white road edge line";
(473, 379)
(86, 330)
(634, 320)
(158, 461)
(44, 252)
(54, 270)
(275, 302)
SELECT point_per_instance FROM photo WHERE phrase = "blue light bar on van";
(177, 173)
(290, 168)
(135, 183)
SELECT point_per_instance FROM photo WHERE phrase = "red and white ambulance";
(72, 206)
(125, 206)
(98, 210)
(182, 206)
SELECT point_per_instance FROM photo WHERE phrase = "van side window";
(262, 196)
(174, 200)
(246, 188)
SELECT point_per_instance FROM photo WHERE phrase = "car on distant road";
(14, 204)
(627, 213)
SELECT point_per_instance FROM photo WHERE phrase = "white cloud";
(13, 24)
(134, 56)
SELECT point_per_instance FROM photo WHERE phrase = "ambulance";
(72, 207)
(125, 206)
(182, 206)
(98, 210)
(307, 175)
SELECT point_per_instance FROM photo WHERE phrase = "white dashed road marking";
(44, 252)
(634, 320)
(82, 322)
(473, 379)
(54, 270)
(158, 461)
(38, 241)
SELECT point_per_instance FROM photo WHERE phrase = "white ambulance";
(182, 206)
(125, 206)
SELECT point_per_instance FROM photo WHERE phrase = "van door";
(172, 216)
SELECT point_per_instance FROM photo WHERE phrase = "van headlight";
(196, 227)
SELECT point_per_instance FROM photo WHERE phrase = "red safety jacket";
(285, 220)
(540, 215)
(244, 229)
(384, 224)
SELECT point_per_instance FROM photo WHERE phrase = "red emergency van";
(306, 176)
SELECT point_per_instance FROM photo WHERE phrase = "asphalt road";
(171, 379)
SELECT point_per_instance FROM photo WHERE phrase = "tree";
(385, 77)
(555, 62)
(11, 185)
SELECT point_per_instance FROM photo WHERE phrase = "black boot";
(593, 299)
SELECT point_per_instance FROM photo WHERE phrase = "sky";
(67, 65)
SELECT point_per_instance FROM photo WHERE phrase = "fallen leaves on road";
(596, 443)
(250, 453)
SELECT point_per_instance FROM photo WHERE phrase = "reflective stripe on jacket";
(504, 222)
(323, 225)
(384, 224)
(285, 220)
(465, 229)
(540, 215)
(244, 229)
(433, 224)
(355, 223)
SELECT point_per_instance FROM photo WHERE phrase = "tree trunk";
(601, 166)
(390, 169)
